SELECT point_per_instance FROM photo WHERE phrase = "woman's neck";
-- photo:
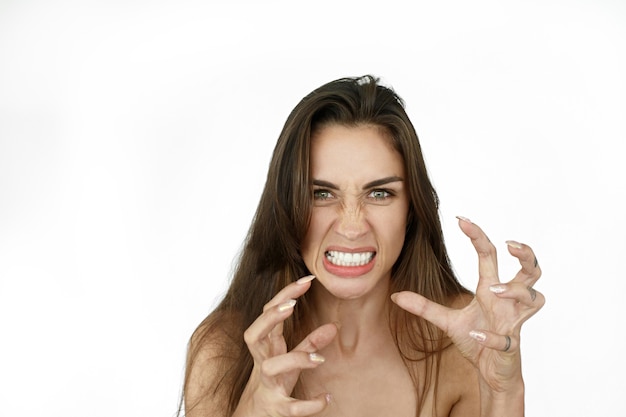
(363, 323)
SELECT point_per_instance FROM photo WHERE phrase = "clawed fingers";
(277, 403)
(264, 337)
(277, 371)
(318, 338)
(257, 336)
(291, 291)
(531, 271)
(520, 288)
(487, 256)
(488, 268)
(519, 292)
(291, 361)
(298, 408)
(423, 307)
(281, 372)
(503, 343)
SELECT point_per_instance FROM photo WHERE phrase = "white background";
(135, 138)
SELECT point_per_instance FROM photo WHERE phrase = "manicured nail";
(286, 305)
(514, 244)
(465, 219)
(497, 288)
(316, 358)
(306, 279)
(476, 335)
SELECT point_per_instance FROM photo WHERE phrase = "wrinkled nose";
(352, 223)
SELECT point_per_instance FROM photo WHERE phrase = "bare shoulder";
(459, 386)
(212, 351)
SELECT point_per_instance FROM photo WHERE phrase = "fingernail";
(316, 358)
(465, 219)
(497, 288)
(328, 398)
(514, 244)
(306, 279)
(286, 305)
(476, 335)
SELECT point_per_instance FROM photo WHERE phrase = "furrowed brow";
(382, 181)
(325, 184)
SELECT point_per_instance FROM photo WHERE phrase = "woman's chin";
(347, 288)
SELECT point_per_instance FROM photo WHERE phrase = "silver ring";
(508, 343)
(533, 293)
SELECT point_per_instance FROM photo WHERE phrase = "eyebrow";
(375, 183)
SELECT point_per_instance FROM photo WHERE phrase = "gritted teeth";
(349, 259)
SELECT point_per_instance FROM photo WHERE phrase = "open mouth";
(348, 259)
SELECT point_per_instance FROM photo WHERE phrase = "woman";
(344, 302)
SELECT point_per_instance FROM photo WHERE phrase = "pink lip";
(351, 250)
(349, 271)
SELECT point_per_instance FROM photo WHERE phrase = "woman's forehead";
(363, 151)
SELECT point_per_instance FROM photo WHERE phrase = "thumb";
(421, 306)
(309, 407)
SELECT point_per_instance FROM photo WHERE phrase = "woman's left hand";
(487, 330)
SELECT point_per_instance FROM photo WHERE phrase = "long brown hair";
(271, 257)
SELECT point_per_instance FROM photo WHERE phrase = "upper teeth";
(349, 259)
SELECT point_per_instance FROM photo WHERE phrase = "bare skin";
(367, 377)
(350, 365)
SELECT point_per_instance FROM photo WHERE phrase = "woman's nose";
(351, 223)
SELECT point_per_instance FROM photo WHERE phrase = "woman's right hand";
(276, 371)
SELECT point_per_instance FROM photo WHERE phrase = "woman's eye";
(380, 194)
(322, 194)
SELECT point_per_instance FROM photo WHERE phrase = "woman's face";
(360, 209)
